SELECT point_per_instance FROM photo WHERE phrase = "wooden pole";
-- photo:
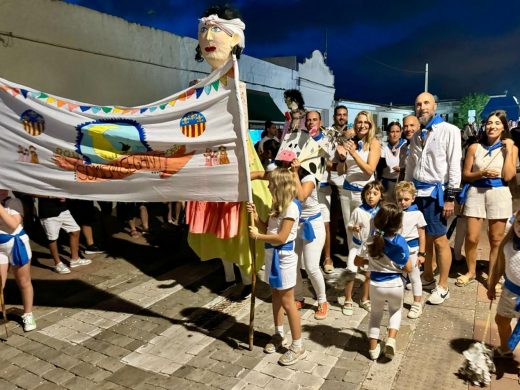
(252, 249)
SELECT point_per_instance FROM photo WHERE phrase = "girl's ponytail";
(387, 222)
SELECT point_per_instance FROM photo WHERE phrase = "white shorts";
(507, 303)
(288, 267)
(63, 221)
(6, 250)
(324, 194)
(488, 203)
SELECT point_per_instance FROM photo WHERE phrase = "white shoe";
(28, 322)
(79, 262)
(415, 310)
(439, 295)
(61, 268)
(374, 353)
(390, 348)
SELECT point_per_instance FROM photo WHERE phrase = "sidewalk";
(145, 317)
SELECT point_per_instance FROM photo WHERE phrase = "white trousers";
(378, 295)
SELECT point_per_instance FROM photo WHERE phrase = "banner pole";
(252, 243)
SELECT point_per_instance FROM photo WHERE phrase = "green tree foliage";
(473, 101)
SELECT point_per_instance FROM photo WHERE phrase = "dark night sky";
(376, 49)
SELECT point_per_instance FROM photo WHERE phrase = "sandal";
(498, 353)
(366, 305)
(347, 310)
(134, 233)
(464, 280)
(328, 266)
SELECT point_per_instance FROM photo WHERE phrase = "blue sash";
(356, 240)
(413, 243)
(383, 276)
(396, 249)
(480, 183)
(515, 336)
(351, 187)
(20, 255)
(437, 193)
(324, 184)
(308, 231)
(275, 275)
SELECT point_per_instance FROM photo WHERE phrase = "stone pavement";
(152, 316)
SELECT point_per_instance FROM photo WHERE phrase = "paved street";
(152, 316)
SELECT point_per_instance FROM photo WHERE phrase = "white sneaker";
(79, 262)
(28, 322)
(390, 348)
(415, 310)
(439, 295)
(61, 268)
(374, 353)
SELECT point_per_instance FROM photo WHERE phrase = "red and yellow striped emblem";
(193, 124)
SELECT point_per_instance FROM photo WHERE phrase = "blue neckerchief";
(395, 148)
(516, 241)
(412, 208)
(318, 136)
(512, 219)
(397, 250)
(275, 274)
(490, 149)
(515, 336)
(359, 146)
(308, 230)
(20, 255)
(437, 193)
(426, 129)
(371, 210)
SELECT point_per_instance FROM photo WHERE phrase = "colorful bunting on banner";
(215, 85)
(24, 92)
(172, 103)
(60, 103)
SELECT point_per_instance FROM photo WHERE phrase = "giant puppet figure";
(220, 230)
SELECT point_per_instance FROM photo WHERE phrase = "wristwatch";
(423, 254)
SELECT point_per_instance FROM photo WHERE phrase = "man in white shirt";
(434, 166)
(410, 126)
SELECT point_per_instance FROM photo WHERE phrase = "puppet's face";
(216, 45)
(291, 104)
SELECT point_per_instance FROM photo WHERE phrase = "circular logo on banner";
(33, 123)
(193, 124)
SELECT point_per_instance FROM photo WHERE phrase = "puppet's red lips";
(210, 48)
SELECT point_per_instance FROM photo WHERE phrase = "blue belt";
(413, 243)
(308, 231)
(324, 184)
(480, 183)
(351, 187)
(356, 241)
(384, 276)
(515, 336)
(275, 275)
(20, 256)
(437, 193)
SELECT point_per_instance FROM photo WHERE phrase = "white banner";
(188, 146)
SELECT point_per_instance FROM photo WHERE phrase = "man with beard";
(434, 166)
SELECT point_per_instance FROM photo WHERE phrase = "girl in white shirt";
(16, 251)
(387, 256)
(281, 262)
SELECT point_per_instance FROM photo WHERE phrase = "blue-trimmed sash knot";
(20, 257)
(437, 193)
(413, 243)
(352, 187)
(308, 231)
(515, 336)
(383, 276)
(275, 275)
(397, 250)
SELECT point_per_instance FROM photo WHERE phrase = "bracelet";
(422, 254)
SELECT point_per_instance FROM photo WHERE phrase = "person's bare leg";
(504, 331)
(23, 280)
(74, 245)
(88, 234)
(428, 263)
(143, 213)
(496, 230)
(443, 255)
(474, 225)
(53, 247)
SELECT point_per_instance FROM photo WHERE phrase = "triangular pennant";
(43, 96)
(95, 109)
(172, 103)
(223, 80)
(117, 111)
(163, 106)
(84, 108)
(15, 91)
(215, 84)
(207, 89)
(4, 88)
(72, 106)
(106, 109)
(51, 100)
(24, 92)
(134, 111)
(182, 97)
(198, 92)
(152, 109)
(143, 110)
(190, 92)
(61, 103)
(34, 94)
